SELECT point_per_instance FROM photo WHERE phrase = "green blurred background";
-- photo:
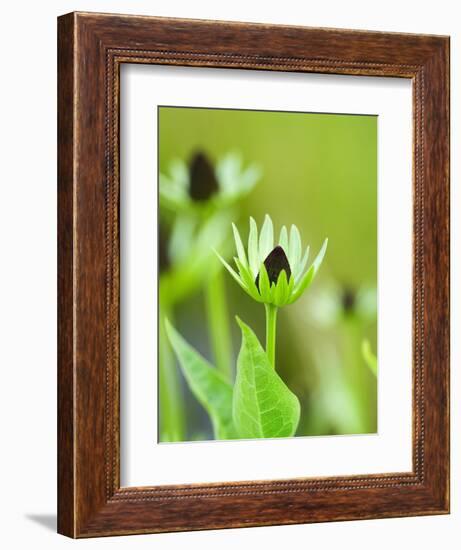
(319, 171)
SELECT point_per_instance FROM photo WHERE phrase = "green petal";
(249, 178)
(247, 278)
(294, 248)
(309, 275)
(180, 173)
(302, 285)
(281, 290)
(239, 246)
(302, 264)
(253, 256)
(319, 259)
(283, 240)
(231, 271)
(172, 195)
(266, 238)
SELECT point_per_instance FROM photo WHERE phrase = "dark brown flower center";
(348, 300)
(275, 263)
(163, 258)
(203, 183)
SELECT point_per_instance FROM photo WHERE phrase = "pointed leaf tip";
(239, 321)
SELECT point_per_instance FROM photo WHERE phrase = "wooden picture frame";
(91, 48)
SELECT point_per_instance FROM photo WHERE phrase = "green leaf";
(263, 406)
(208, 385)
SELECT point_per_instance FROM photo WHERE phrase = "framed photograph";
(253, 277)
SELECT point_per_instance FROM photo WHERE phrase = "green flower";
(185, 255)
(335, 303)
(199, 185)
(273, 275)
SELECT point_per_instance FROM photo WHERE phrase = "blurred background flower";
(201, 187)
(317, 171)
(196, 206)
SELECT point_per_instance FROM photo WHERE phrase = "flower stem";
(361, 381)
(218, 323)
(271, 324)
(171, 402)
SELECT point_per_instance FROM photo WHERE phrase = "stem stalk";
(271, 325)
(218, 323)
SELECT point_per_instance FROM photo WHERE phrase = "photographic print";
(232, 200)
(267, 256)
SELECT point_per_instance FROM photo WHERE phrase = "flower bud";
(275, 262)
